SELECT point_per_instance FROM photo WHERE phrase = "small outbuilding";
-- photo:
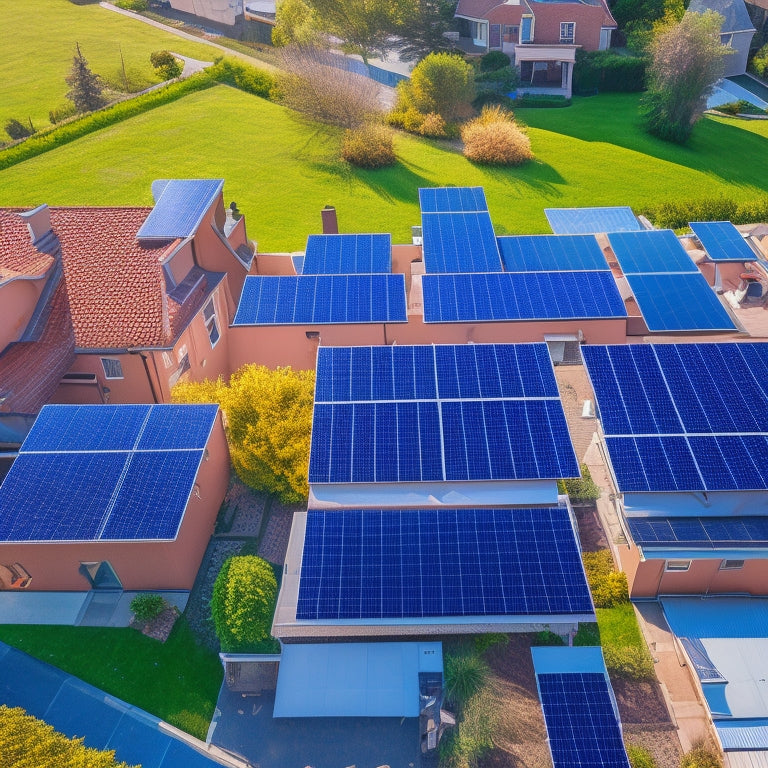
(736, 32)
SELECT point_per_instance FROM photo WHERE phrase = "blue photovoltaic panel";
(496, 415)
(551, 253)
(683, 417)
(722, 241)
(459, 242)
(679, 303)
(86, 428)
(653, 251)
(591, 221)
(174, 427)
(452, 199)
(180, 208)
(581, 721)
(705, 532)
(322, 300)
(511, 296)
(379, 564)
(347, 254)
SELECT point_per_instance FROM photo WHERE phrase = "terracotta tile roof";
(477, 9)
(17, 254)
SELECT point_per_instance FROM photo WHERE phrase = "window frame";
(113, 361)
(566, 39)
(211, 322)
(677, 566)
(728, 564)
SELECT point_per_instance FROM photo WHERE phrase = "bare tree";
(322, 86)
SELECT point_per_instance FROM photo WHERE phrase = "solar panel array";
(669, 289)
(377, 564)
(581, 722)
(347, 254)
(499, 296)
(452, 199)
(700, 532)
(684, 417)
(722, 241)
(103, 472)
(321, 299)
(180, 207)
(590, 221)
(440, 413)
(459, 242)
(551, 253)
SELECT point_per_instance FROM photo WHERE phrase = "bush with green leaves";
(137, 6)
(465, 675)
(165, 64)
(584, 488)
(608, 586)
(640, 757)
(147, 606)
(243, 602)
(547, 637)
(543, 100)
(489, 640)
(370, 146)
(18, 130)
(500, 81)
(630, 662)
(588, 633)
(61, 113)
(494, 60)
(675, 214)
(701, 756)
(606, 71)
(759, 63)
(247, 78)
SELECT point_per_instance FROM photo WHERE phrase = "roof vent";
(38, 222)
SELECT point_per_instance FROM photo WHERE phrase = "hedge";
(675, 214)
(604, 71)
(541, 100)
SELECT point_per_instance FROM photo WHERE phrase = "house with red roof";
(116, 304)
(540, 36)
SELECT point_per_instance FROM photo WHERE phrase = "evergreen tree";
(86, 89)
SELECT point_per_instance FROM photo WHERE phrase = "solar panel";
(590, 221)
(179, 208)
(88, 473)
(511, 296)
(378, 564)
(722, 241)
(679, 303)
(443, 413)
(548, 253)
(683, 417)
(322, 300)
(459, 242)
(347, 254)
(700, 532)
(653, 251)
(582, 726)
(452, 199)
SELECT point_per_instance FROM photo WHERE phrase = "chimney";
(38, 222)
(330, 224)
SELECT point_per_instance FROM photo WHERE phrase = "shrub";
(542, 100)
(500, 81)
(243, 602)
(137, 6)
(442, 83)
(486, 641)
(587, 634)
(433, 126)
(85, 86)
(675, 214)
(608, 586)
(370, 146)
(583, 488)
(547, 637)
(64, 112)
(700, 756)
(494, 60)
(17, 130)
(629, 661)
(465, 675)
(489, 98)
(493, 138)
(760, 62)
(606, 71)
(147, 606)
(243, 76)
(166, 64)
(640, 757)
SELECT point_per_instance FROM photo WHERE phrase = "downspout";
(143, 357)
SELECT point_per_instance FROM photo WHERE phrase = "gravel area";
(242, 511)
(274, 543)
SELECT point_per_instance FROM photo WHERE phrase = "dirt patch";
(591, 533)
(160, 627)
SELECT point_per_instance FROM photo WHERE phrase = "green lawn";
(619, 627)
(282, 171)
(39, 39)
(177, 681)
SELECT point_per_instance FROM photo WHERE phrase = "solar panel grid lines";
(179, 208)
(322, 299)
(711, 532)
(452, 199)
(656, 251)
(582, 727)
(459, 242)
(576, 221)
(380, 564)
(545, 253)
(348, 254)
(722, 241)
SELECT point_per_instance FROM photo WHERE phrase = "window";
(167, 360)
(677, 565)
(526, 31)
(113, 369)
(209, 315)
(567, 32)
(731, 565)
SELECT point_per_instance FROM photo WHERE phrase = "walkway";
(75, 708)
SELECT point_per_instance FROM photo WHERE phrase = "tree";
(442, 83)
(26, 742)
(295, 22)
(166, 64)
(423, 31)
(86, 90)
(268, 422)
(243, 602)
(686, 61)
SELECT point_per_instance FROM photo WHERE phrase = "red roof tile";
(17, 254)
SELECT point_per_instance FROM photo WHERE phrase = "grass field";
(39, 38)
(282, 171)
(177, 681)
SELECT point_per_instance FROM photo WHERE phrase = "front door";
(101, 575)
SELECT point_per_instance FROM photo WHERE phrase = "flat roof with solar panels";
(459, 242)
(347, 255)
(670, 291)
(180, 205)
(452, 199)
(683, 417)
(105, 473)
(592, 221)
(722, 242)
